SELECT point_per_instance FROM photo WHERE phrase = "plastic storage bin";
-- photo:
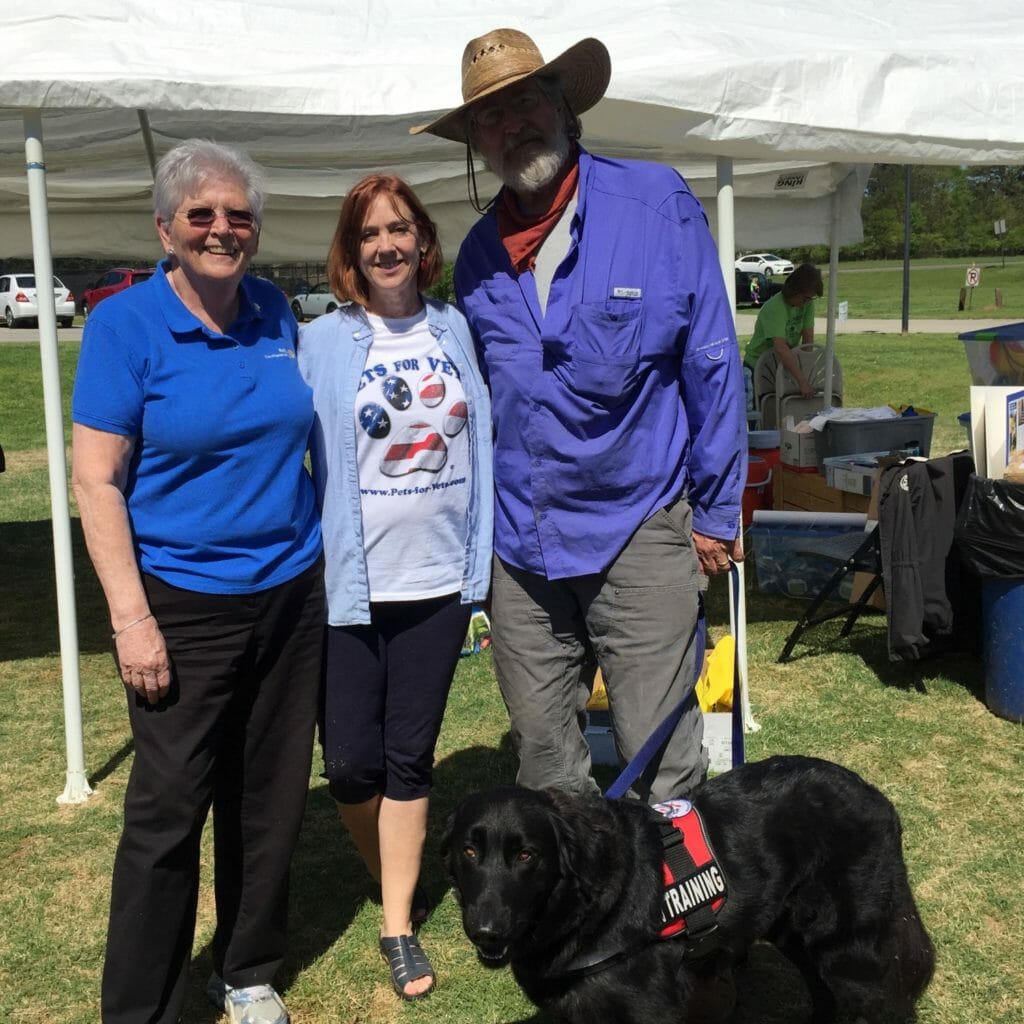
(995, 355)
(909, 434)
(786, 556)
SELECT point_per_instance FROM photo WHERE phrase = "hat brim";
(583, 71)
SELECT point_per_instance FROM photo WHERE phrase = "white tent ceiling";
(321, 92)
(98, 180)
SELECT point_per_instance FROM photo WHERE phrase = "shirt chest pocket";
(599, 356)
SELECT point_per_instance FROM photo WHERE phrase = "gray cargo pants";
(637, 619)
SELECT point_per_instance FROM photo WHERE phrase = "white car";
(316, 301)
(767, 263)
(18, 300)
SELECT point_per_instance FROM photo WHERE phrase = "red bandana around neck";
(523, 235)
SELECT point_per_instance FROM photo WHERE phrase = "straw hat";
(505, 56)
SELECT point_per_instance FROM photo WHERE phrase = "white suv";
(18, 301)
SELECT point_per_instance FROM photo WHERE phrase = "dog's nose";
(489, 941)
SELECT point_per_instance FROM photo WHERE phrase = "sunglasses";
(204, 216)
(490, 115)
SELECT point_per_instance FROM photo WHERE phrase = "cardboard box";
(856, 474)
(798, 449)
(599, 737)
(800, 490)
(718, 740)
(852, 473)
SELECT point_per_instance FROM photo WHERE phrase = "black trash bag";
(989, 529)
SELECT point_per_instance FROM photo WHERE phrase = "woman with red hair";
(401, 457)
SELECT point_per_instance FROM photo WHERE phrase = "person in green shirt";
(785, 321)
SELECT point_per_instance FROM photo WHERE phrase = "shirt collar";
(182, 321)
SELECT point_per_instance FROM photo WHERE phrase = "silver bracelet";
(135, 622)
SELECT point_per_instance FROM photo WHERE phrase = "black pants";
(384, 697)
(235, 731)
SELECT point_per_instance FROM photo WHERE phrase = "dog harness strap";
(694, 882)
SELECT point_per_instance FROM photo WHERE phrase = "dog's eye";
(524, 855)
(470, 852)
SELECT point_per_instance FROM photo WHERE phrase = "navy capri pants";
(385, 690)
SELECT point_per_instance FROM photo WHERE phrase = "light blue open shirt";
(332, 356)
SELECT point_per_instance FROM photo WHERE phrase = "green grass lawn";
(877, 290)
(954, 770)
(874, 290)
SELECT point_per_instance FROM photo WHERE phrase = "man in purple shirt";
(594, 292)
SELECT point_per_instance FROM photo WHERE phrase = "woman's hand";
(142, 659)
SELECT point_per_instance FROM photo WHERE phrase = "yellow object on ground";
(714, 687)
(599, 695)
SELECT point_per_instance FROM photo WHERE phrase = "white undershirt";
(551, 253)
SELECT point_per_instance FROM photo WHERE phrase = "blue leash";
(660, 736)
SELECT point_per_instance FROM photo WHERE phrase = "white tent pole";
(725, 210)
(76, 788)
(833, 292)
(727, 258)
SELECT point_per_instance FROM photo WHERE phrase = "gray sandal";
(407, 962)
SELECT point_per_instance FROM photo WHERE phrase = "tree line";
(952, 213)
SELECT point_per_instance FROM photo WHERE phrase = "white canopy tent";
(99, 180)
(810, 89)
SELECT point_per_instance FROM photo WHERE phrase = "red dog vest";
(695, 888)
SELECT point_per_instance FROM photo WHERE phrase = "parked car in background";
(752, 288)
(316, 301)
(767, 263)
(112, 282)
(19, 303)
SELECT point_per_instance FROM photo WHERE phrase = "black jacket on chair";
(929, 600)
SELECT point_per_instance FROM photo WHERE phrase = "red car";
(112, 282)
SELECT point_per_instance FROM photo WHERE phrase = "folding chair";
(931, 605)
(764, 389)
(866, 559)
(788, 399)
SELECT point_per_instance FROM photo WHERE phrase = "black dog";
(569, 891)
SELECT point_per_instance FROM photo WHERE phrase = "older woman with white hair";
(191, 424)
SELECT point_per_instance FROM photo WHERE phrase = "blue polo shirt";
(218, 496)
(626, 391)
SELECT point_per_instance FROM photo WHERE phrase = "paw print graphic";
(419, 445)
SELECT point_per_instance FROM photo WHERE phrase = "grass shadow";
(28, 617)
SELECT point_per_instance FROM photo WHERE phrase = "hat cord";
(474, 195)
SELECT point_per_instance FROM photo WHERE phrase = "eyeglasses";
(490, 115)
(204, 217)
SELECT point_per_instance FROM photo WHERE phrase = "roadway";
(744, 327)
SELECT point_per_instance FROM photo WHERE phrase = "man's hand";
(715, 555)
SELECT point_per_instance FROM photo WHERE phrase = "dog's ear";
(571, 839)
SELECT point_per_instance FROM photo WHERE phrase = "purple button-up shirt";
(626, 392)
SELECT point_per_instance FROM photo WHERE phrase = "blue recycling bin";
(990, 536)
(1002, 617)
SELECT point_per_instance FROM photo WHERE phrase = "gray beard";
(539, 171)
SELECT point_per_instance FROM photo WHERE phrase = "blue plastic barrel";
(1002, 609)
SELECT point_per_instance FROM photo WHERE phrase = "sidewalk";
(745, 326)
